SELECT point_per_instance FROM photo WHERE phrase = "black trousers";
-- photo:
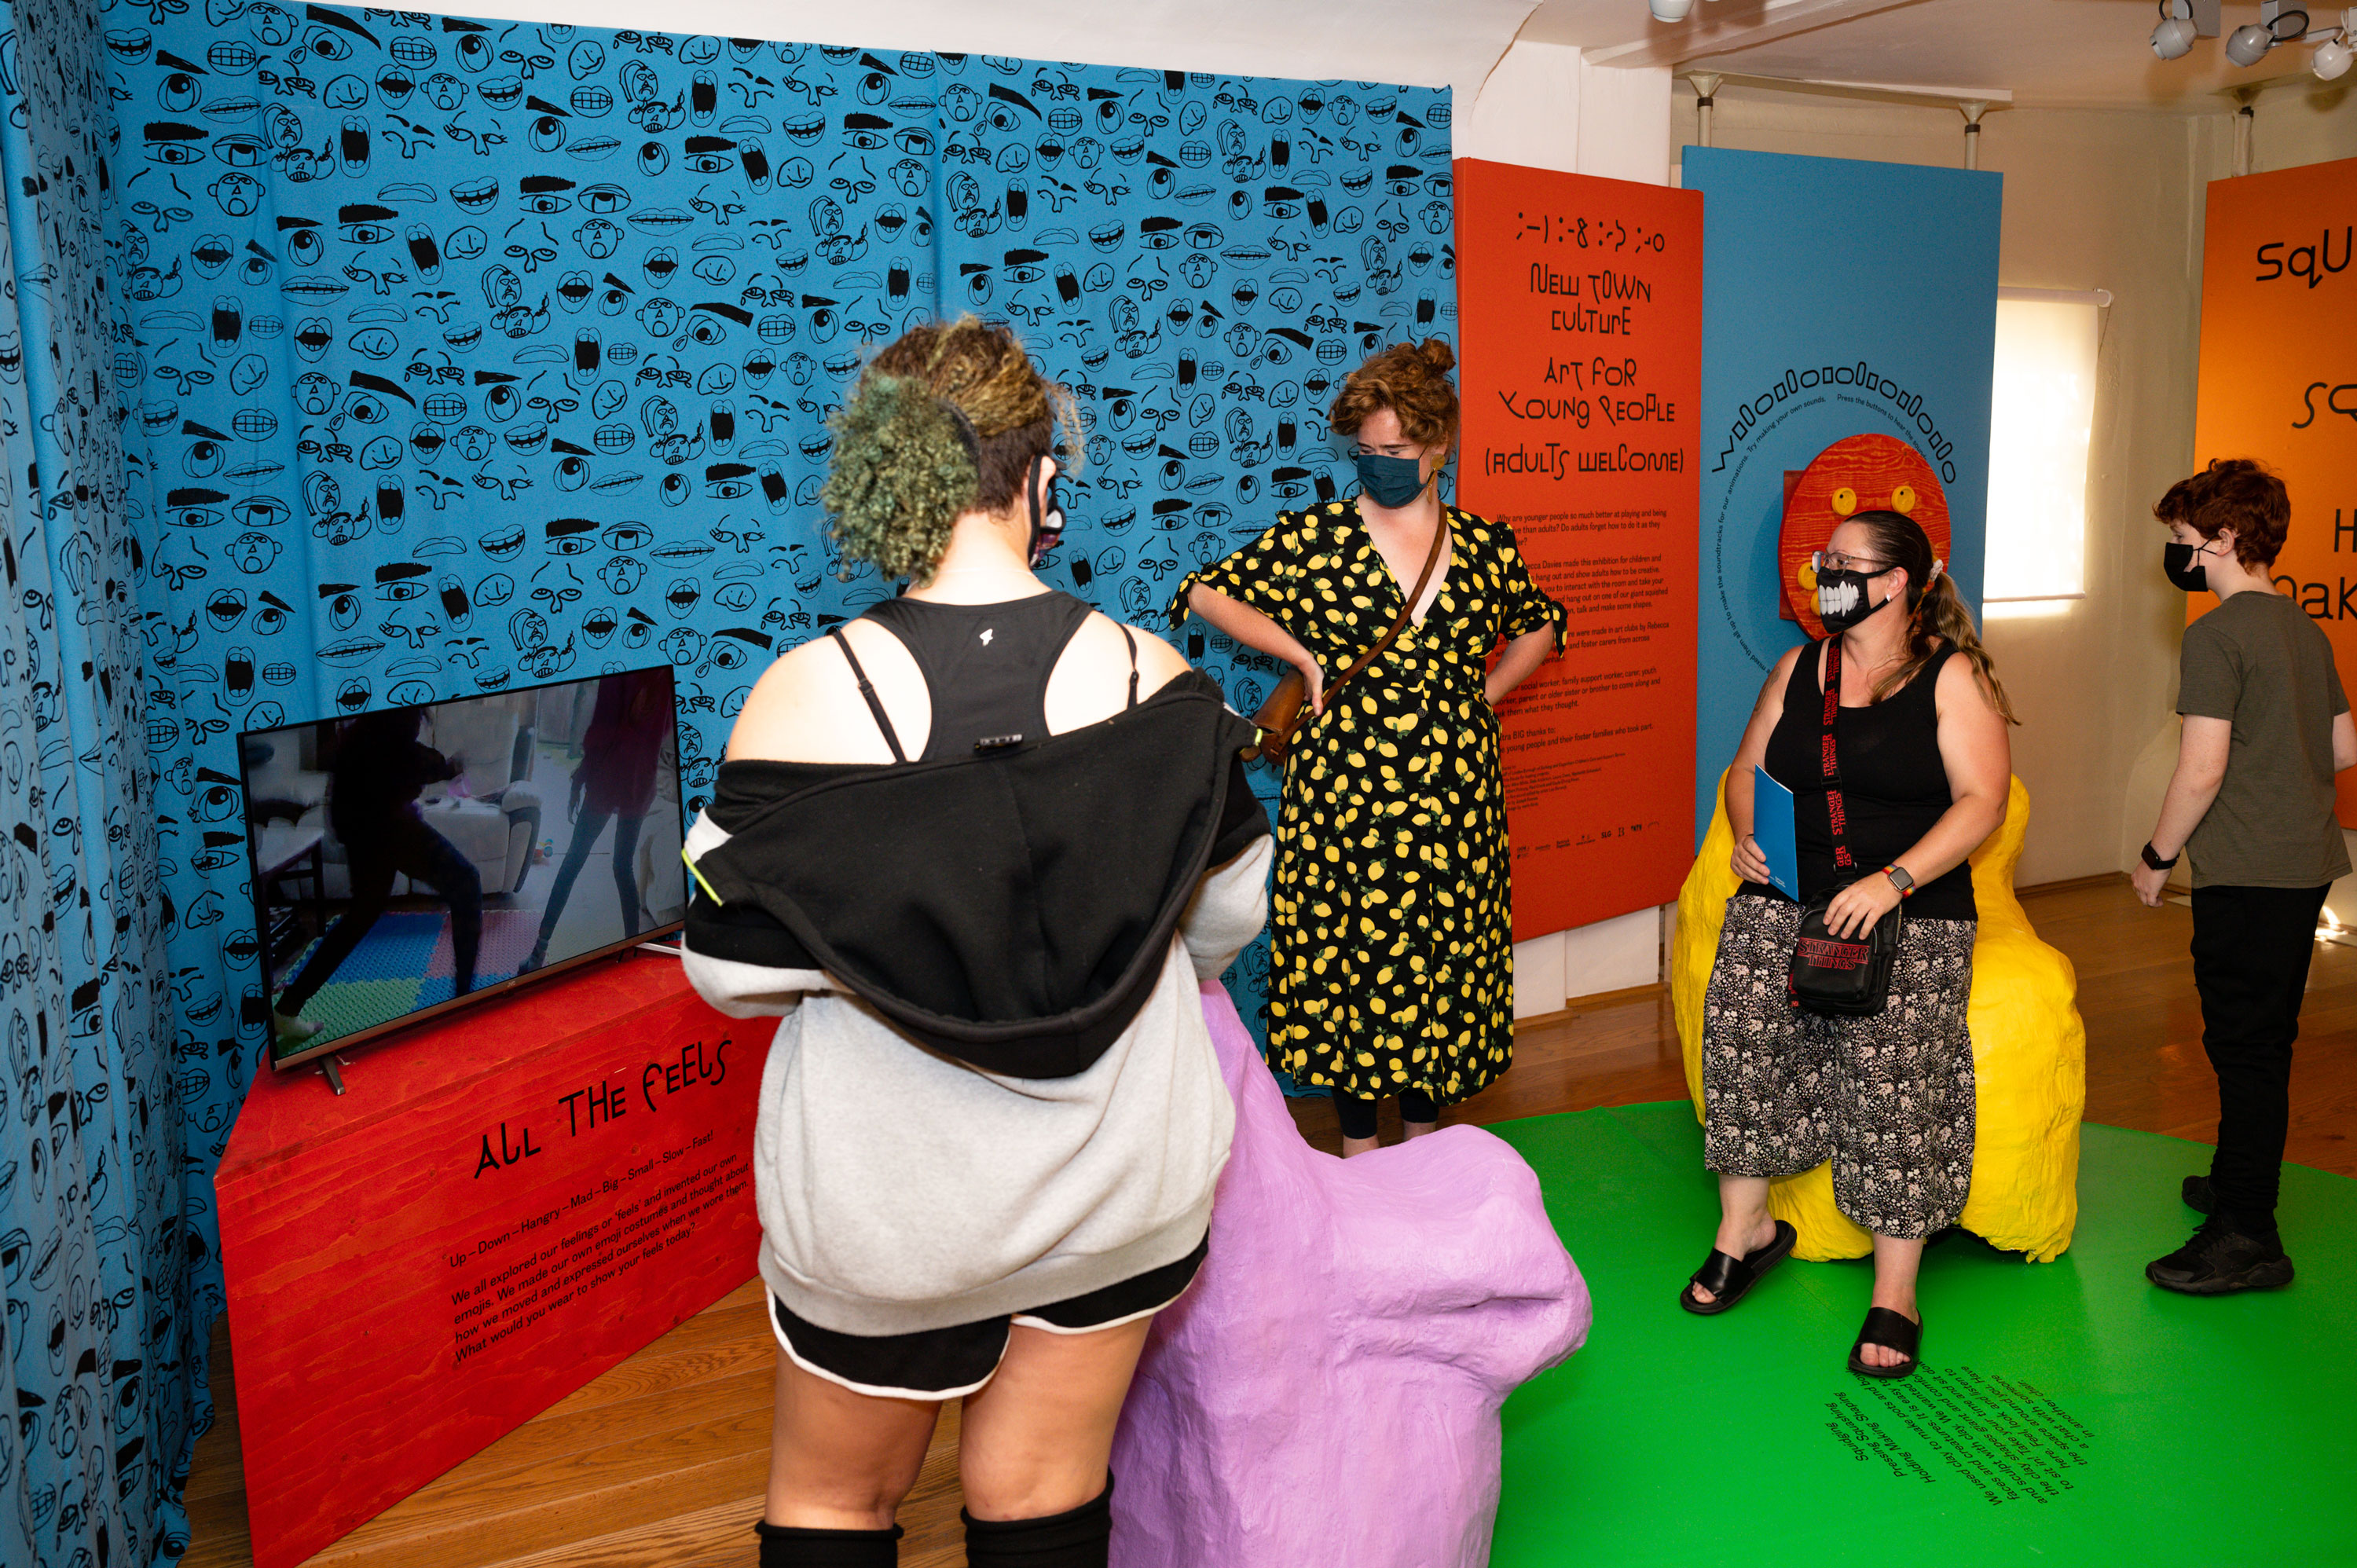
(2251, 950)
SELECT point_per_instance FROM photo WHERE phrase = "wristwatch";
(2152, 857)
(1900, 880)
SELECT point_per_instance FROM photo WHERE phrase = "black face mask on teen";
(2182, 564)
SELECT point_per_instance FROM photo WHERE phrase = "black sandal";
(1892, 1331)
(1731, 1279)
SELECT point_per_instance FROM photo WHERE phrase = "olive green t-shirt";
(2259, 661)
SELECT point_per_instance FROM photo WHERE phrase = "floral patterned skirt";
(1888, 1099)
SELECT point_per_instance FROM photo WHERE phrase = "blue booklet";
(1771, 826)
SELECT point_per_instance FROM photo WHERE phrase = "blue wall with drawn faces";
(472, 354)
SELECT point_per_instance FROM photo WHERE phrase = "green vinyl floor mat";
(2065, 1413)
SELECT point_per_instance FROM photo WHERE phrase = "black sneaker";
(2220, 1261)
(2198, 1195)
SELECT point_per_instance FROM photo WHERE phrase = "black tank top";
(985, 668)
(1894, 785)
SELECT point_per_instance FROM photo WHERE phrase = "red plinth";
(500, 1209)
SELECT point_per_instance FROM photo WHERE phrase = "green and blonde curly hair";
(946, 420)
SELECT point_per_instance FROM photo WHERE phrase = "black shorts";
(944, 1363)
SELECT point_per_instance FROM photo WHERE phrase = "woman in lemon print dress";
(1391, 940)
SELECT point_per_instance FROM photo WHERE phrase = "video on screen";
(408, 858)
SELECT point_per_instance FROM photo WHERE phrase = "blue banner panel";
(1839, 299)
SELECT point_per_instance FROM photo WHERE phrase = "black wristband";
(2153, 859)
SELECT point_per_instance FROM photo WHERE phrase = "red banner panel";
(1579, 313)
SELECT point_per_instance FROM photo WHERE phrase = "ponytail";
(1939, 618)
(1936, 617)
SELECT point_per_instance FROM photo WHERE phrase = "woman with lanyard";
(1896, 752)
(976, 851)
(1391, 951)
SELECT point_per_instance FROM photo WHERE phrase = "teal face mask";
(1389, 481)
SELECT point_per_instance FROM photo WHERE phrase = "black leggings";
(405, 846)
(586, 829)
(1358, 1116)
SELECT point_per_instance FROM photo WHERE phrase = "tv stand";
(506, 1203)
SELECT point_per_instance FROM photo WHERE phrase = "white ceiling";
(2054, 52)
(1410, 41)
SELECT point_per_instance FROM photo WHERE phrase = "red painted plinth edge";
(500, 1209)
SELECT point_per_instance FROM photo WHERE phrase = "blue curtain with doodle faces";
(468, 354)
(107, 1105)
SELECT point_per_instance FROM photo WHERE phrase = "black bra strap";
(883, 720)
(1125, 637)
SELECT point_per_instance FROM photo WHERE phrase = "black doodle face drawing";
(548, 321)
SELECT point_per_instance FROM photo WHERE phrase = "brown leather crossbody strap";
(1407, 611)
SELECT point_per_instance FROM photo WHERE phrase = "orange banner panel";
(2279, 379)
(1580, 314)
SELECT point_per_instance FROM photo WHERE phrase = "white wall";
(1385, 41)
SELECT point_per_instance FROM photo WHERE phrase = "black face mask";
(2184, 570)
(1047, 514)
(1841, 597)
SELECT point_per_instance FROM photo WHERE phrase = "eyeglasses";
(1835, 561)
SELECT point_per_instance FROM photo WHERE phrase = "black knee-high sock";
(1080, 1539)
(782, 1547)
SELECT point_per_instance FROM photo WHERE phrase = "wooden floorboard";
(660, 1462)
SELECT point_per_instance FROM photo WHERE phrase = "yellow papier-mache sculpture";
(2029, 1058)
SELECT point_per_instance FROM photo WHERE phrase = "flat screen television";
(411, 861)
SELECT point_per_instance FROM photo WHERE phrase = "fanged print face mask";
(1047, 515)
(1841, 596)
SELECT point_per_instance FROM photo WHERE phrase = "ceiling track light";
(1669, 10)
(2173, 38)
(2335, 47)
(2280, 22)
(2249, 44)
(2181, 22)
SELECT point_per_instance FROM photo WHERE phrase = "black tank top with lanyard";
(986, 668)
(1894, 785)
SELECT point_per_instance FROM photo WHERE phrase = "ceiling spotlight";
(1669, 10)
(2331, 61)
(2173, 38)
(2279, 23)
(2249, 44)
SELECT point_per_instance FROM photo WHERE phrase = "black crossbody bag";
(1842, 977)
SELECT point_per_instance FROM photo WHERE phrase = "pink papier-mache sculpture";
(1329, 1390)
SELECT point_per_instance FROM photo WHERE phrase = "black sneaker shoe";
(2198, 1195)
(2222, 1261)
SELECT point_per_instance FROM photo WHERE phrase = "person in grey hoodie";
(977, 851)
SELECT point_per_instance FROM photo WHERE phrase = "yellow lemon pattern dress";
(1391, 928)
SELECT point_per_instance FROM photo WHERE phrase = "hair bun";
(1436, 352)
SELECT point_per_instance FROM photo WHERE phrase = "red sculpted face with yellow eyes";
(1855, 474)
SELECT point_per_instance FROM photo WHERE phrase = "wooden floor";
(660, 1463)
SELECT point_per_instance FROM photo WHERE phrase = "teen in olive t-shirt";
(2258, 662)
